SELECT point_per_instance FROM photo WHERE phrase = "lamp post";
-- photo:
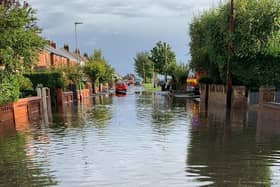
(76, 51)
(154, 74)
(76, 37)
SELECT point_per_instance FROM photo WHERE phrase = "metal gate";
(253, 98)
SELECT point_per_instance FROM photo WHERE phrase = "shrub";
(9, 88)
(52, 80)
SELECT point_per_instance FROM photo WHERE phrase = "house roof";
(60, 52)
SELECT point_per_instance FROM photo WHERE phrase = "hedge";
(52, 80)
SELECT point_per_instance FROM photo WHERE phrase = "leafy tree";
(143, 66)
(256, 42)
(162, 56)
(179, 73)
(108, 74)
(97, 69)
(94, 70)
(73, 74)
(19, 44)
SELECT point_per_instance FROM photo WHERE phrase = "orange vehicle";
(193, 81)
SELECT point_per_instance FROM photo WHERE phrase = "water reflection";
(231, 154)
(18, 165)
(143, 140)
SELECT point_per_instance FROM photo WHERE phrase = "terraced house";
(53, 57)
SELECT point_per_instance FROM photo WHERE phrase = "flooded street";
(141, 140)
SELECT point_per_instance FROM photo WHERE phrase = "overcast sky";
(121, 28)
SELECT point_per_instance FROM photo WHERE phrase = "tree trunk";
(93, 87)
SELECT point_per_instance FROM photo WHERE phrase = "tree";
(179, 73)
(19, 46)
(74, 74)
(108, 74)
(143, 66)
(162, 56)
(94, 70)
(98, 69)
(256, 42)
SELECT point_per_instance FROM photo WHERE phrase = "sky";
(121, 28)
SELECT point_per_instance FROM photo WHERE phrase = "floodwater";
(141, 140)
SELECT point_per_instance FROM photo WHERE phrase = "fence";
(217, 95)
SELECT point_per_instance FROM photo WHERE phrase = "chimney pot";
(66, 47)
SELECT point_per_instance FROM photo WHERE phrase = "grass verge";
(150, 88)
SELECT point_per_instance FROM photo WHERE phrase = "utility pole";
(76, 37)
(165, 61)
(78, 58)
(154, 75)
(230, 52)
(144, 73)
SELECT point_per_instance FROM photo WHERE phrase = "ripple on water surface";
(141, 140)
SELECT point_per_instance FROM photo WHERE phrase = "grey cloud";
(125, 25)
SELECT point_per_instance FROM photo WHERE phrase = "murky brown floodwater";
(142, 140)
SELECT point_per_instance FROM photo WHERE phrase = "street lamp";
(76, 37)
(154, 75)
(76, 51)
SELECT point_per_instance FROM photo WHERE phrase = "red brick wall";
(21, 113)
(63, 97)
(84, 93)
(6, 115)
(26, 110)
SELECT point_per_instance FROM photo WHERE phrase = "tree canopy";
(98, 68)
(19, 45)
(162, 56)
(143, 66)
(256, 42)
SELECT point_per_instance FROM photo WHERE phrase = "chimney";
(66, 47)
(53, 44)
(49, 42)
(77, 51)
(86, 55)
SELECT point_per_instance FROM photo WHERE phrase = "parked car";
(138, 82)
(121, 87)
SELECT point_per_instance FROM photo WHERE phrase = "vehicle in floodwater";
(193, 81)
(121, 87)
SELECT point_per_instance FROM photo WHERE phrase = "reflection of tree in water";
(17, 169)
(101, 112)
(158, 109)
(228, 156)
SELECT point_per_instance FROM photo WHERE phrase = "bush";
(25, 83)
(52, 80)
(9, 88)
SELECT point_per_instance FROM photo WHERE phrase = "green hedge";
(52, 80)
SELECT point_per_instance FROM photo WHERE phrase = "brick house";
(53, 57)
